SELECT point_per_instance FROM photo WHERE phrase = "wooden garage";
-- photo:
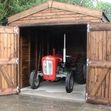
(52, 19)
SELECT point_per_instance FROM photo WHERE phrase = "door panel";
(9, 54)
(99, 66)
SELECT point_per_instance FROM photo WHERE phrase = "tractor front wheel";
(69, 82)
(34, 80)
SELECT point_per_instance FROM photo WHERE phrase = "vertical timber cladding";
(99, 64)
(9, 42)
(24, 57)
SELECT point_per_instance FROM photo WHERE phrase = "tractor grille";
(47, 67)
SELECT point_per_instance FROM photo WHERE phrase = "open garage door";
(99, 63)
(9, 42)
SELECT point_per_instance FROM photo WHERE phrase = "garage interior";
(39, 41)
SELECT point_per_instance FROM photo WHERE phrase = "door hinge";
(18, 89)
(88, 28)
(16, 30)
(17, 61)
(87, 62)
(86, 96)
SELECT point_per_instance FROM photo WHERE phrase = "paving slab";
(35, 103)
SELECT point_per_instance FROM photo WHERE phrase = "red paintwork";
(52, 62)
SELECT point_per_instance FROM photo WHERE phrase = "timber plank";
(95, 89)
(12, 56)
(109, 59)
(109, 45)
(55, 16)
(104, 64)
(77, 9)
(28, 12)
(6, 30)
(104, 48)
(103, 84)
(54, 21)
(100, 27)
(97, 100)
(109, 87)
(101, 73)
(5, 85)
(107, 81)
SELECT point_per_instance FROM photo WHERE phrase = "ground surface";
(35, 103)
(57, 90)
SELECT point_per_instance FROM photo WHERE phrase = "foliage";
(10, 7)
(86, 3)
(105, 7)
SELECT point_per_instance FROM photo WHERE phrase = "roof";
(58, 5)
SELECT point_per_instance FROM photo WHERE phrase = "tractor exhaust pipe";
(64, 50)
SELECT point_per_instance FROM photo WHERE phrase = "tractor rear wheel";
(34, 80)
(69, 82)
(80, 73)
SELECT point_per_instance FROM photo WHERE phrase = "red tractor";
(54, 67)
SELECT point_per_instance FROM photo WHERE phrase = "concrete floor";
(57, 90)
(35, 103)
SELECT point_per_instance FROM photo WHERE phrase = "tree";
(10, 7)
(105, 7)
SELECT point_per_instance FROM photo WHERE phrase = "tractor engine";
(49, 67)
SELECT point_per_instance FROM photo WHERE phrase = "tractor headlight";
(47, 67)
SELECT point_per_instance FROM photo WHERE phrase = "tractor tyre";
(80, 73)
(34, 80)
(69, 82)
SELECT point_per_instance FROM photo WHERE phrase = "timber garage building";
(33, 33)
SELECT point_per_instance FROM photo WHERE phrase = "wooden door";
(9, 54)
(99, 64)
